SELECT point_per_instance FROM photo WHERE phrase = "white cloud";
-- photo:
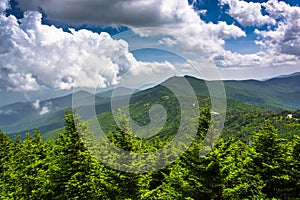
(280, 43)
(167, 41)
(23, 82)
(42, 109)
(45, 56)
(247, 13)
(279, 9)
(285, 38)
(35, 56)
(145, 68)
(207, 37)
(263, 59)
(4, 5)
(46, 109)
(175, 15)
(36, 104)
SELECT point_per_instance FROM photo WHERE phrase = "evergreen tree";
(24, 176)
(6, 151)
(295, 169)
(74, 172)
(240, 179)
(270, 161)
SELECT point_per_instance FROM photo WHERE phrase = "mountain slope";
(277, 93)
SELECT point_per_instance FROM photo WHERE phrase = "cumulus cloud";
(194, 35)
(4, 5)
(34, 56)
(279, 9)
(37, 56)
(247, 13)
(173, 14)
(285, 38)
(280, 42)
(23, 82)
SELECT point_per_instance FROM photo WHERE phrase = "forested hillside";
(265, 168)
(149, 99)
(256, 156)
(274, 94)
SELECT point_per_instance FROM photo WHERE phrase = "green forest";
(149, 99)
(263, 167)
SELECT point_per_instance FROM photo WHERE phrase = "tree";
(6, 151)
(24, 175)
(294, 169)
(74, 173)
(271, 161)
(240, 179)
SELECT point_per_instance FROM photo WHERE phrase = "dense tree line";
(265, 168)
(246, 123)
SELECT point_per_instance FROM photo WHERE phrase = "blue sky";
(47, 44)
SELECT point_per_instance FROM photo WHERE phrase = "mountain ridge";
(274, 94)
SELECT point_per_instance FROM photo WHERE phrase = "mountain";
(10, 97)
(289, 75)
(276, 93)
(281, 93)
(48, 115)
(45, 115)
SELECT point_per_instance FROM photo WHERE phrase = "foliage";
(267, 167)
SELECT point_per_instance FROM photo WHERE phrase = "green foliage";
(265, 167)
(244, 123)
(272, 162)
(73, 172)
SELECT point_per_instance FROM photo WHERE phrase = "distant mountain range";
(276, 93)
(280, 93)
(289, 75)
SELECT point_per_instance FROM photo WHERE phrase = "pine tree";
(295, 169)
(6, 151)
(240, 179)
(270, 161)
(24, 175)
(74, 172)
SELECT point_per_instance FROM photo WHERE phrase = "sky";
(59, 44)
